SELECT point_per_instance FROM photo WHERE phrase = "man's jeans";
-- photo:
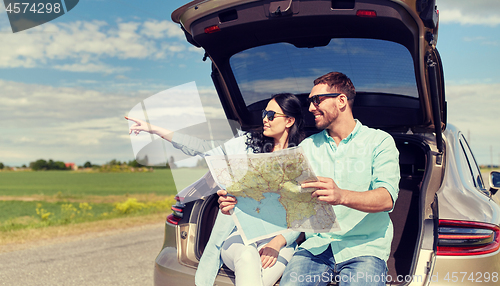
(307, 269)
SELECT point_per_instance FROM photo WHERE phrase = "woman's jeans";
(307, 269)
(244, 260)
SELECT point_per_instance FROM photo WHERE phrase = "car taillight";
(212, 29)
(366, 13)
(177, 212)
(460, 238)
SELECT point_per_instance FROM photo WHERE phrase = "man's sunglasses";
(271, 114)
(315, 98)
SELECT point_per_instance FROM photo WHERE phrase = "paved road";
(123, 258)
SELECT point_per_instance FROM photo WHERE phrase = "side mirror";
(494, 181)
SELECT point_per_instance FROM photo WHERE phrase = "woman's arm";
(269, 253)
(141, 125)
(190, 145)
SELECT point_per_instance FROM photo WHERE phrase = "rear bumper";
(467, 270)
(168, 271)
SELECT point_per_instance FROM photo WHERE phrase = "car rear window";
(373, 66)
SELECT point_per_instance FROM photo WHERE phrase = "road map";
(270, 199)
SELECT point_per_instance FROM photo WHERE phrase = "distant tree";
(134, 164)
(24, 166)
(50, 164)
(171, 163)
(58, 165)
(114, 162)
(39, 164)
(201, 163)
(144, 161)
(87, 164)
(2, 166)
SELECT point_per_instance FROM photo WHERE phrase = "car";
(446, 223)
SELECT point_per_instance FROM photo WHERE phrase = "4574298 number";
(35, 8)
(476, 277)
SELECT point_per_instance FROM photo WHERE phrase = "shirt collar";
(349, 137)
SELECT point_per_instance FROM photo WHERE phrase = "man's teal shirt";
(366, 160)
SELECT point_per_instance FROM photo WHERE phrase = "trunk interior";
(405, 216)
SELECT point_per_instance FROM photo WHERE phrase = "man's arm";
(372, 201)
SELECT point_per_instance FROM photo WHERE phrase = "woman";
(262, 262)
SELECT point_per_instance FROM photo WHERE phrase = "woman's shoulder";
(237, 144)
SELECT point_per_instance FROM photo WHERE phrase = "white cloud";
(484, 12)
(158, 30)
(482, 40)
(60, 114)
(71, 124)
(91, 67)
(83, 45)
(67, 124)
(473, 108)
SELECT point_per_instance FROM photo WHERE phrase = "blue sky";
(66, 85)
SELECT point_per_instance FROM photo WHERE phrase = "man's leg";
(361, 271)
(306, 269)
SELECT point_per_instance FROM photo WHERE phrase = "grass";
(17, 215)
(82, 183)
(70, 183)
(38, 202)
(14, 209)
(487, 170)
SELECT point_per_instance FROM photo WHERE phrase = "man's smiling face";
(326, 112)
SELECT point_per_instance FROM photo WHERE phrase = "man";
(358, 171)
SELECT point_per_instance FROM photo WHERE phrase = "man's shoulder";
(374, 133)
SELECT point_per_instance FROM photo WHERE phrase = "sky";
(66, 85)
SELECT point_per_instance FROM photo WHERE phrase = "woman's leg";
(243, 259)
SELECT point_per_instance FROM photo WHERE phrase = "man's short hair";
(338, 82)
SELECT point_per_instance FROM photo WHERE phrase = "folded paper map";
(270, 199)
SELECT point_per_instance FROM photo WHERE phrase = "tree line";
(46, 165)
(41, 164)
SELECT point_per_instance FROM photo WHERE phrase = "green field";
(68, 183)
(15, 209)
(50, 198)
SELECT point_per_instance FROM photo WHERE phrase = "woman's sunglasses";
(315, 98)
(271, 114)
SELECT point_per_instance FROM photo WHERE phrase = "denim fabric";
(306, 269)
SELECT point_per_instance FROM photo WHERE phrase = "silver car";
(446, 223)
